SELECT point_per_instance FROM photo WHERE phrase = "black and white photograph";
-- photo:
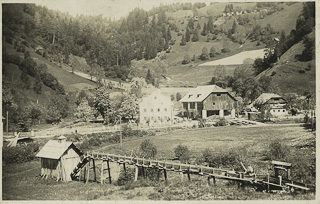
(159, 100)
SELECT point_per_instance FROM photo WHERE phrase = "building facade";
(59, 158)
(205, 101)
(156, 109)
(276, 103)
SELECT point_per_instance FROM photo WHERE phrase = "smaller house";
(156, 109)
(276, 103)
(59, 158)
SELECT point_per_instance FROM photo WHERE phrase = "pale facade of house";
(277, 104)
(156, 110)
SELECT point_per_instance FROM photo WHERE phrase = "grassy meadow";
(22, 181)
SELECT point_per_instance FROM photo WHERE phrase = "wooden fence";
(262, 181)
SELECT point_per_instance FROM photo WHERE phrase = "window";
(274, 110)
(198, 95)
(284, 110)
(151, 109)
(159, 118)
(158, 109)
(192, 105)
(190, 95)
(145, 110)
(278, 110)
(166, 109)
(213, 103)
(218, 94)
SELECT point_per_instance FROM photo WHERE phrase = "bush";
(148, 149)
(125, 177)
(277, 151)
(19, 153)
(225, 50)
(182, 153)
(273, 73)
(222, 122)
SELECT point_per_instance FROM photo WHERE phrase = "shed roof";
(54, 149)
(202, 92)
(263, 98)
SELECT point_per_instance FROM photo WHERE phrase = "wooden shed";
(59, 158)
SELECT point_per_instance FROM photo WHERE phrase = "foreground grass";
(22, 181)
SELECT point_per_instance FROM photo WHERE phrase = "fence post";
(136, 173)
(109, 173)
(101, 176)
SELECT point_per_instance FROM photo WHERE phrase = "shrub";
(186, 59)
(225, 50)
(182, 153)
(277, 151)
(20, 153)
(148, 149)
(222, 122)
(125, 177)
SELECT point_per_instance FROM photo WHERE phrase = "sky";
(108, 8)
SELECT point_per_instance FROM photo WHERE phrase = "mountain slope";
(292, 75)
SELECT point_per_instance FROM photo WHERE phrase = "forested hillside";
(164, 46)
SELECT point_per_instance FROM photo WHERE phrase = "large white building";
(156, 110)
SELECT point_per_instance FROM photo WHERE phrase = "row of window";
(279, 111)
(145, 110)
(159, 118)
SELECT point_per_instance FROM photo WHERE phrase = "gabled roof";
(54, 149)
(202, 92)
(263, 98)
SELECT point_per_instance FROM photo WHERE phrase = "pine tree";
(204, 55)
(195, 36)
(198, 26)
(168, 36)
(210, 25)
(187, 35)
(234, 27)
(149, 77)
(183, 41)
(204, 31)
(212, 52)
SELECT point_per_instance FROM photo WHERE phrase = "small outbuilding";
(59, 158)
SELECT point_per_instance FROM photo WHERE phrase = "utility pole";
(120, 134)
(7, 122)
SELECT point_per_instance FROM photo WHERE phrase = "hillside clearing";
(237, 58)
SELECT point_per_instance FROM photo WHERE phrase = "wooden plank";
(109, 173)
(94, 170)
(280, 163)
(101, 173)
(136, 173)
(297, 186)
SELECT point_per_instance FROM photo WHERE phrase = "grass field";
(22, 181)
